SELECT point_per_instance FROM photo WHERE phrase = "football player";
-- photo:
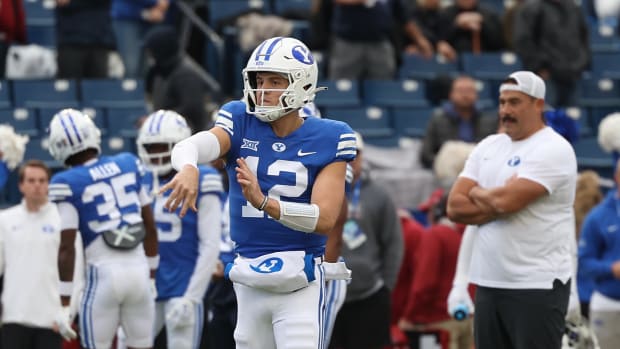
(103, 198)
(286, 192)
(188, 248)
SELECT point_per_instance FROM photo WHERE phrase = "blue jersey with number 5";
(105, 192)
(286, 169)
(178, 238)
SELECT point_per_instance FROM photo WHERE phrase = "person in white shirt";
(32, 316)
(518, 187)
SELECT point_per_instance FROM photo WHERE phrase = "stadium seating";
(37, 148)
(599, 92)
(46, 115)
(606, 65)
(604, 40)
(369, 121)
(394, 93)
(410, 122)
(490, 65)
(5, 95)
(45, 94)
(112, 93)
(417, 67)
(116, 144)
(339, 93)
(23, 120)
(123, 121)
(591, 155)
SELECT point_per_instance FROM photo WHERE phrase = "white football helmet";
(71, 132)
(291, 58)
(161, 127)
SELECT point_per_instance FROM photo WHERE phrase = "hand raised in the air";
(184, 186)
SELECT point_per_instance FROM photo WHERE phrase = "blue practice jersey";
(105, 192)
(287, 168)
(178, 237)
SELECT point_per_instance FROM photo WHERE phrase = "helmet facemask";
(156, 157)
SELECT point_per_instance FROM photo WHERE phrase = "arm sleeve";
(203, 147)
(209, 231)
(461, 275)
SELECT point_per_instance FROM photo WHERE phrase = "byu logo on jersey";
(278, 146)
(270, 265)
(515, 161)
(302, 54)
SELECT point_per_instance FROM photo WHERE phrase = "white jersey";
(29, 243)
(529, 248)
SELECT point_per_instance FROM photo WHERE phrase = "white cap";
(527, 82)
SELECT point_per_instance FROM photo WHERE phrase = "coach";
(519, 187)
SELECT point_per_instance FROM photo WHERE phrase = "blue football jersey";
(105, 193)
(287, 168)
(178, 237)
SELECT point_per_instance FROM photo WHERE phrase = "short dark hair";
(33, 163)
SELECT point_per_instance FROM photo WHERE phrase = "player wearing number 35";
(103, 198)
(287, 177)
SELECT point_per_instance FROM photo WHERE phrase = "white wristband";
(153, 262)
(65, 288)
(297, 216)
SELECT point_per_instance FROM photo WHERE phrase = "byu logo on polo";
(270, 265)
(515, 161)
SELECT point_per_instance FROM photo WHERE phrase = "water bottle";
(461, 312)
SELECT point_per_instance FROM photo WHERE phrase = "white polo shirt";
(29, 244)
(529, 248)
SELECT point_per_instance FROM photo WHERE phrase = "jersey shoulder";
(335, 133)
(210, 180)
(229, 115)
(60, 187)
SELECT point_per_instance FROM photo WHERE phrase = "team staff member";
(519, 187)
(29, 241)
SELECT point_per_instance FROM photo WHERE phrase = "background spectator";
(551, 38)
(458, 119)
(84, 38)
(131, 21)
(12, 28)
(173, 82)
(467, 26)
(373, 250)
(363, 38)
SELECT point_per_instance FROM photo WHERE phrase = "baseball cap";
(527, 82)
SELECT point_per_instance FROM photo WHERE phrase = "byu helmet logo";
(302, 54)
